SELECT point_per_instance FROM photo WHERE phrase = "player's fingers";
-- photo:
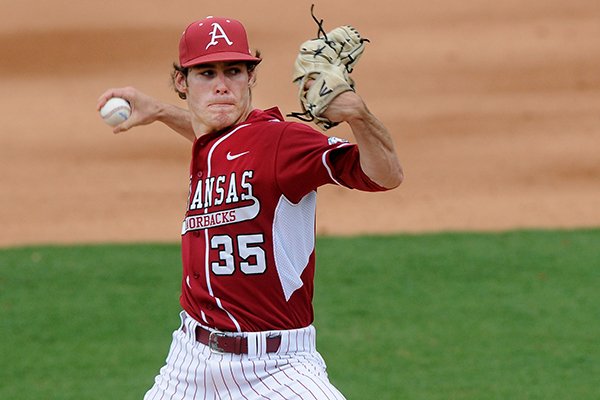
(126, 93)
(118, 129)
(125, 125)
(309, 82)
(104, 97)
(136, 118)
(121, 128)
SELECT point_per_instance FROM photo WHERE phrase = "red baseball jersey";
(248, 237)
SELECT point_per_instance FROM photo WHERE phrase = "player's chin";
(222, 118)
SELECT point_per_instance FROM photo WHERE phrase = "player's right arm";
(146, 110)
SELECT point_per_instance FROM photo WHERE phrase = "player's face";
(219, 95)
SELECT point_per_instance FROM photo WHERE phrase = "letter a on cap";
(217, 33)
(205, 41)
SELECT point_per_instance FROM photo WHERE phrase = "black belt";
(224, 342)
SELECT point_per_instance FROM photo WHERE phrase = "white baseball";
(115, 111)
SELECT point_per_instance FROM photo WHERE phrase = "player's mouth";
(222, 104)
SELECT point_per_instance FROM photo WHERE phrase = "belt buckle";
(213, 342)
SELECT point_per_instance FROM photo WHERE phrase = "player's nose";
(221, 84)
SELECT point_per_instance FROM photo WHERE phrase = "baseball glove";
(328, 60)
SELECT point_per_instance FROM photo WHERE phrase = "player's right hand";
(144, 109)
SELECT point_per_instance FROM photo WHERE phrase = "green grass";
(511, 315)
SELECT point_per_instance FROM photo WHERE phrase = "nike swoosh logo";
(232, 157)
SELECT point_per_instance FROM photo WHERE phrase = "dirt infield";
(495, 110)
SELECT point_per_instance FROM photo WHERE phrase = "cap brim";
(222, 56)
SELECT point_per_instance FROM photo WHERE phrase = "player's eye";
(209, 73)
(234, 71)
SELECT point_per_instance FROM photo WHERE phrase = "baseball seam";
(116, 110)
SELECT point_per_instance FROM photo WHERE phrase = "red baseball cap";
(214, 39)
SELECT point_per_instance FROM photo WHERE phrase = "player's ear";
(180, 81)
(252, 79)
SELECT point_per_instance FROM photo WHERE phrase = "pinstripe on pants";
(194, 371)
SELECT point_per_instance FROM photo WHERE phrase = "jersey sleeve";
(344, 161)
(307, 159)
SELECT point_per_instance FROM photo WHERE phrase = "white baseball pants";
(194, 371)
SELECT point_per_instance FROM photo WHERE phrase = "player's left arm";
(378, 158)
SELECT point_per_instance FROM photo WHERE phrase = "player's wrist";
(358, 111)
(162, 112)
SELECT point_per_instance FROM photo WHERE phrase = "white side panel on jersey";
(293, 240)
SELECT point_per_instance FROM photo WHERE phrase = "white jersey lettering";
(220, 191)
(232, 195)
(196, 202)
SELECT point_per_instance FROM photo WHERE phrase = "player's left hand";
(327, 62)
(345, 107)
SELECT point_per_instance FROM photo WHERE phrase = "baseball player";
(248, 235)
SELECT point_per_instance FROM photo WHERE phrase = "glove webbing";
(321, 34)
